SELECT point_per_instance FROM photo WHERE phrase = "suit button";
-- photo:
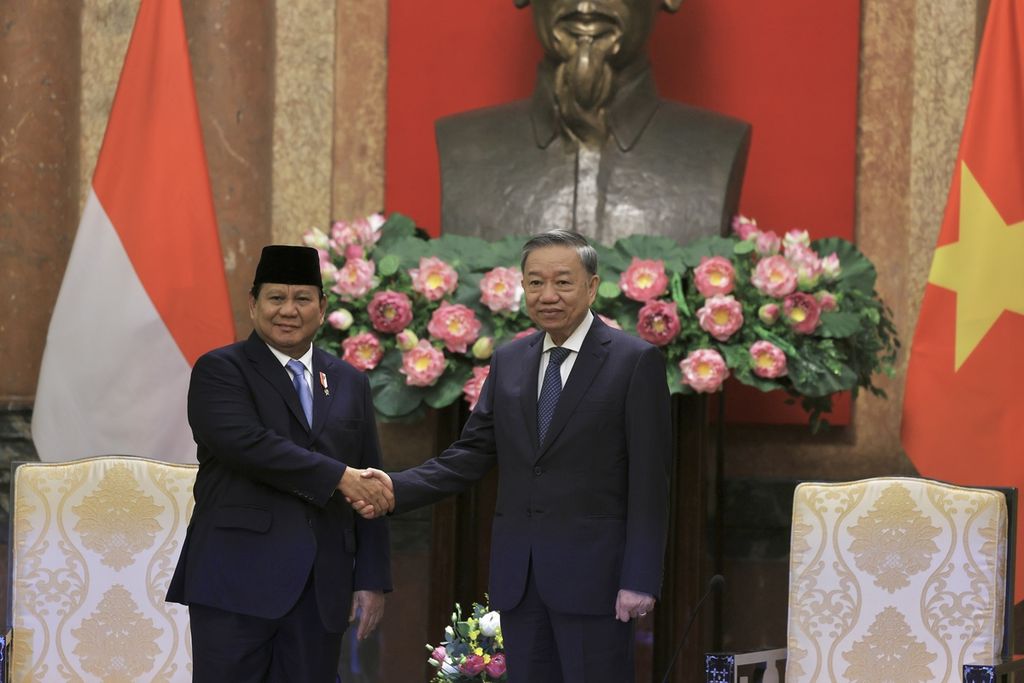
(537, 471)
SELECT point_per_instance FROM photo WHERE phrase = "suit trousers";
(239, 648)
(544, 646)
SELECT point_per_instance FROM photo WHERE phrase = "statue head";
(621, 27)
(590, 42)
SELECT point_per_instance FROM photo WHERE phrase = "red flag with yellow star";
(963, 410)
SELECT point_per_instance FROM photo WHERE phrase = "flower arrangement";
(472, 649)
(422, 316)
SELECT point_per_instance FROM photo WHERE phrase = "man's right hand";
(369, 495)
(365, 507)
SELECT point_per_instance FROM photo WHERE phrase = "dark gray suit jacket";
(590, 504)
(266, 507)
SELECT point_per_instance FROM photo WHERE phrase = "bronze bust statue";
(595, 149)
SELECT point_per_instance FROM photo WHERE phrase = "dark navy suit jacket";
(590, 504)
(266, 507)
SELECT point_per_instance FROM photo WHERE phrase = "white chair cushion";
(895, 579)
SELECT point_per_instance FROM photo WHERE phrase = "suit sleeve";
(461, 465)
(373, 549)
(649, 447)
(224, 420)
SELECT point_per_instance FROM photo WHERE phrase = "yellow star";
(983, 268)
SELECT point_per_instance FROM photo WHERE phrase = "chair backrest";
(93, 545)
(895, 579)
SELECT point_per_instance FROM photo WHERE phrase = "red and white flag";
(144, 293)
(963, 409)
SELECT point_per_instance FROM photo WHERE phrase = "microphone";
(716, 583)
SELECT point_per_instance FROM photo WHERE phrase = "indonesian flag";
(144, 293)
(963, 411)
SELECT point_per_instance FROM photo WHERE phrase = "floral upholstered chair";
(896, 579)
(93, 545)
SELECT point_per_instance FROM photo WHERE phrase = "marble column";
(40, 48)
(231, 44)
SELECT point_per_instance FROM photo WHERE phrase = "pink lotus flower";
(362, 351)
(406, 340)
(318, 239)
(473, 665)
(475, 384)
(830, 267)
(808, 273)
(340, 319)
(501, 289)
(774, 276)
(455, 325)
(704, 370)
(525, 333)
(354, 251)
(768, 359)
(364, 232)
(423, 365)
(658, 322)
(799, 253)
(354, 279)
(610, 322)
(720, 316)
(496, 667)
(793, 237)
(767, 244)
(802, 312)
(644, 280)
(434, 278)
(714, 275)
(768, 313)
(827, 301)
(390, 311)
(744, 227)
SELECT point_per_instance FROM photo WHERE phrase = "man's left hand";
(371, 604)
(632, 605)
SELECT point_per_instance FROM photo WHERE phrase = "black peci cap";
(288, 265)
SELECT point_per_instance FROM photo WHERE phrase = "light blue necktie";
(550, 390)
(302, 388)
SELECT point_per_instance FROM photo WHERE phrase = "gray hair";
(562, 238)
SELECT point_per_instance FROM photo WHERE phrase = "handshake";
(369, 492)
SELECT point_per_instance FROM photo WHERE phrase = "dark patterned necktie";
(302, 388)
(550, 390)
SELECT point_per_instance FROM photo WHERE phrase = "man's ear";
(669, 5)
(523, 3)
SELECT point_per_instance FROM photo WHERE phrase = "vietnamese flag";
(144, 293)
(963, 410)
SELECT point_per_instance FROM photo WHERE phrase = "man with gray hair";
(576, 418)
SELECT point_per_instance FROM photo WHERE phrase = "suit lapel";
(324, 370)
(528, 386)
(267, 365)
(591, 357)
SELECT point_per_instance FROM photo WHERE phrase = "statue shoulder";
(703, 122)
(490, 124)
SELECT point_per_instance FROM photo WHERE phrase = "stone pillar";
(231, 45)
(40, 49)
(360, 108)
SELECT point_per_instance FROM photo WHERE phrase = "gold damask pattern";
(117, 642)
(894, 579)
(889, 652)
(117, 520)
(95, 542)
(894, 540)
